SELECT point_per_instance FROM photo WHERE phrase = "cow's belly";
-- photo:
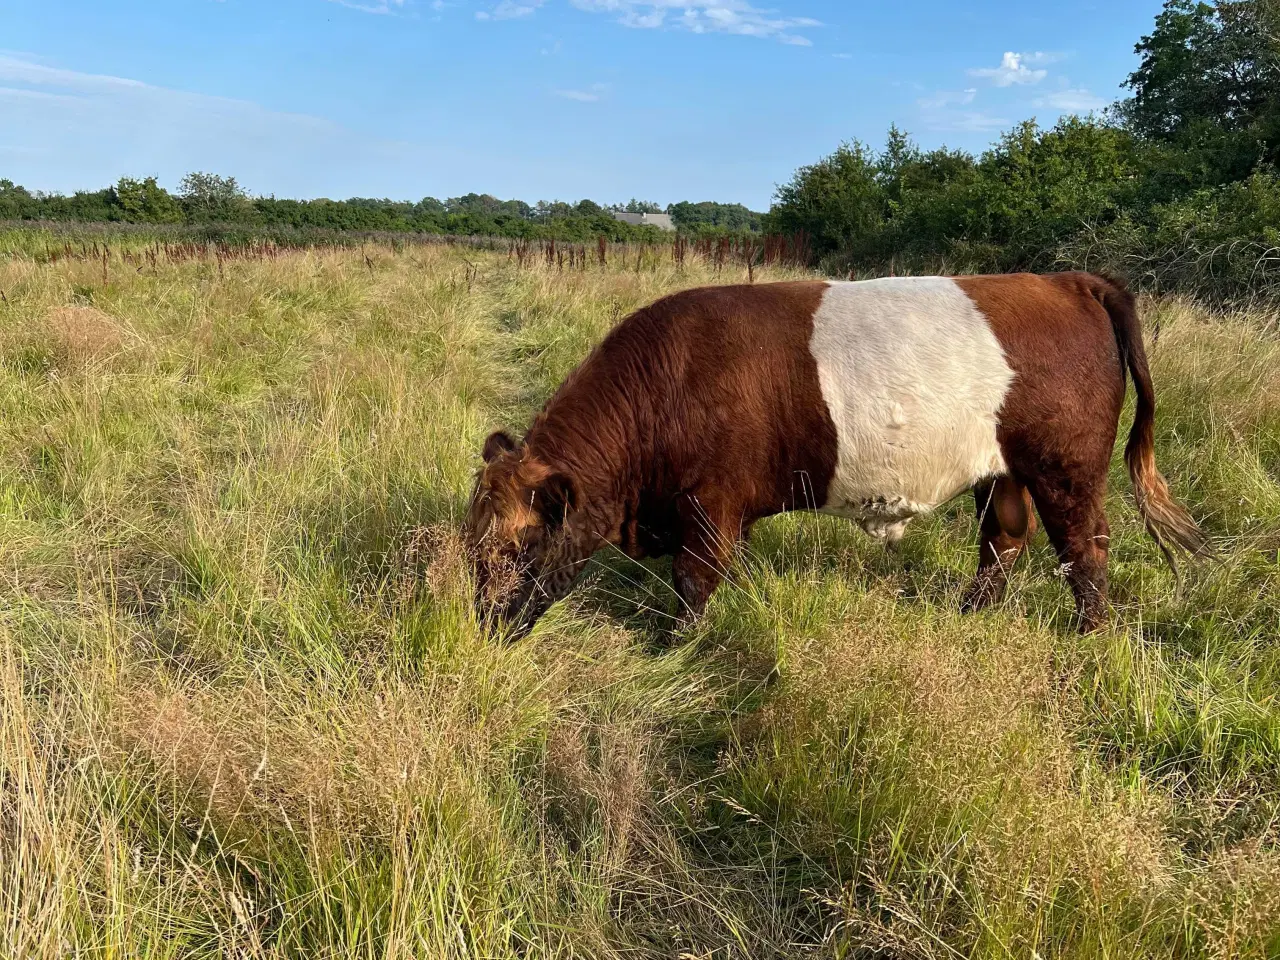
(883, 496)
(914, 380)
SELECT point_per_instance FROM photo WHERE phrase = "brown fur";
(1070, 338)
(695, 417)
(702, 413)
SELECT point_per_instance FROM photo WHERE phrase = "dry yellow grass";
(245, 710)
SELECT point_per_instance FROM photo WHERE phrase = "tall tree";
(145, 201)
(209, 197)
(839, 201)
(1209, 81)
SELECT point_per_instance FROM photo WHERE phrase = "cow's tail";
(1168, 522)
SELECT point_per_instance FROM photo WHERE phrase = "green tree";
(16, 202)
(1012, 209)
(840, 201)
(1037, 187)
(1209, 83)
(486, 205)
(931, 197)
(210, 198)
(712, 217)
(145, 201)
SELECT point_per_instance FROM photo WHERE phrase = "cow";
(876, 400)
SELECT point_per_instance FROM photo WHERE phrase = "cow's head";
(525, 550)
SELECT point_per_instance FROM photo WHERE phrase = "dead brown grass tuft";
(256, 762)
(1239, 898)
(81, 335)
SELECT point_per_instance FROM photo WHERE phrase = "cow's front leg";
(709, 529)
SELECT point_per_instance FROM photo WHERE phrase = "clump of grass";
(245, 709)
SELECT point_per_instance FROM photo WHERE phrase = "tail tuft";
(1168, 522)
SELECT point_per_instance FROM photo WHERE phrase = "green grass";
(246, 711)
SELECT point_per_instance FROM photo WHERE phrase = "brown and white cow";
(878, 401)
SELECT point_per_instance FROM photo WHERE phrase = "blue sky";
(538, 99)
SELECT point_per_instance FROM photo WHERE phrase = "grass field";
(246, 711)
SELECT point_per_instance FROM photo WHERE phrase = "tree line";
(205, 198)
(1177, 184)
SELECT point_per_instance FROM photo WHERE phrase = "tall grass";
(245, 710)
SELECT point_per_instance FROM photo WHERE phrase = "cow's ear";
(555, 497)
(499, 442)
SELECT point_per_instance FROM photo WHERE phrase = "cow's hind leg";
(1007, 523)
(1072, 509)
(710, 527)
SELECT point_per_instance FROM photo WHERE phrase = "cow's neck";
(604, 443)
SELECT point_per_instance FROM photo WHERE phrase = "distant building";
(660, 220)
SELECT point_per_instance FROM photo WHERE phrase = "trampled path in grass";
(246, 711)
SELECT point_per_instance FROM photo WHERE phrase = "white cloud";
(1071, 100)
(946, 111)
(949, 111)
(1042, 58)
(510, 10)
(965, 121)
(705, 16)
(377, 6)
(953, 110)
(590, 95)
(67, 130)
(1015, 68)
(86, 130)
(23, 70)
(947, 98)
(17, 94)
